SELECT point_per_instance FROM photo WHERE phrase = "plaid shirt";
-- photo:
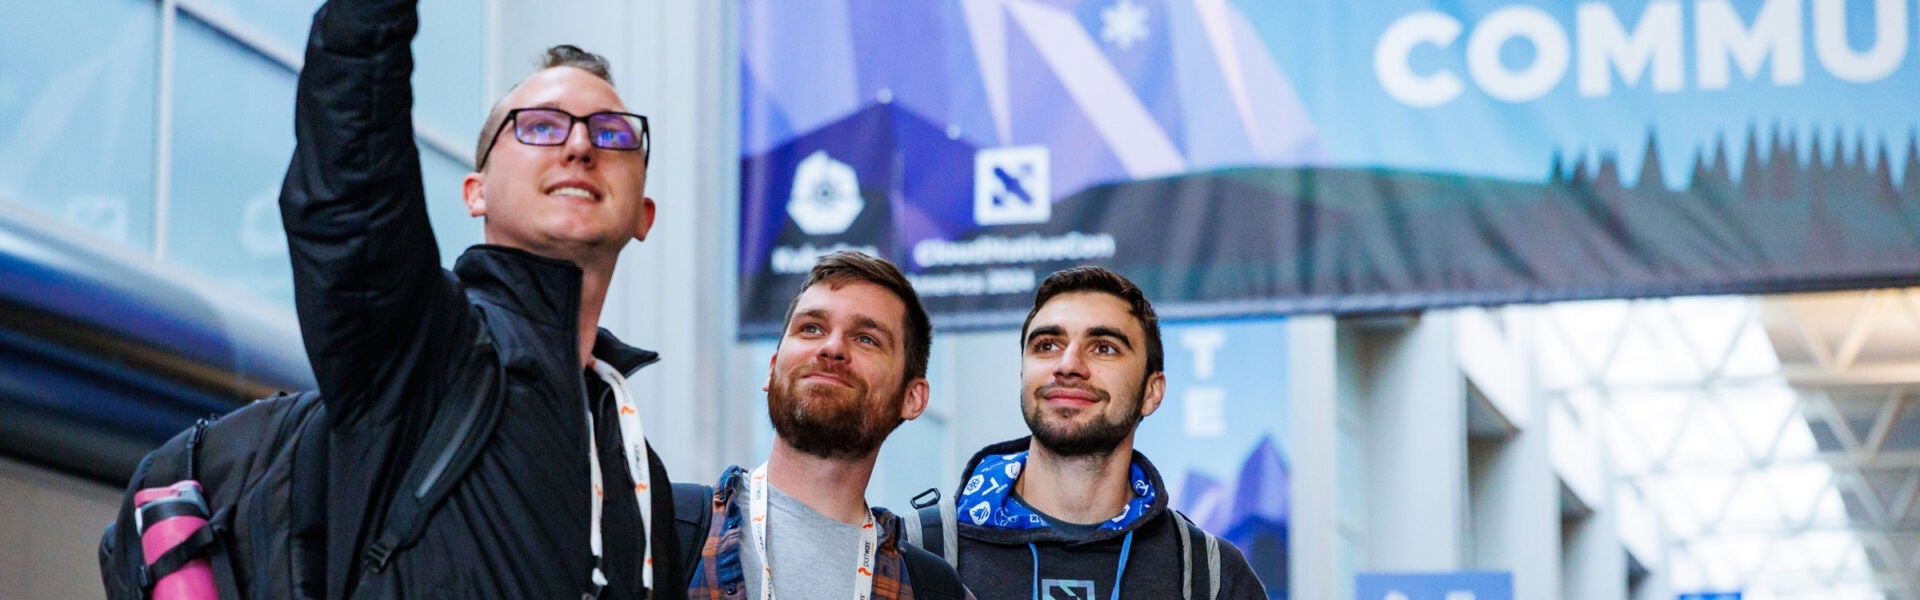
(720, 576)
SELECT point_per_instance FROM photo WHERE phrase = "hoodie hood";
(987, 511)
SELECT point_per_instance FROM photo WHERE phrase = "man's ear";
(646, 219)
(473, 190)
(1155, 392)
(916, 402)
(767, 385)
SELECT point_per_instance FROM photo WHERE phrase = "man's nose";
(579, 143)
(833, 347)
(1070, 364)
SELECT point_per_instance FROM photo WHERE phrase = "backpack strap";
(932, 526)
(1213, 565)
(692, 516)
(207, 542)
(452, 441)
(931, 578)
(196, 546)
(1212, 544)
(1186, 555)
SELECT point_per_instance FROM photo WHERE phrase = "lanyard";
(869, 540)
(635, 437)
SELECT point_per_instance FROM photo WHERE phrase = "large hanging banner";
(1255, 157)
(1219, 437)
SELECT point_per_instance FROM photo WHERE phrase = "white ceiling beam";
(1875, 373)
(1866, 316)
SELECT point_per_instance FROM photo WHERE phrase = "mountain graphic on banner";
(1778, 174)
(1252, 513)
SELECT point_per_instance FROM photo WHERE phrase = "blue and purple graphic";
(1218, 437)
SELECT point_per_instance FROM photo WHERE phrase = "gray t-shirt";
(813, 555)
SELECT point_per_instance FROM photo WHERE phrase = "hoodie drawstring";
(1126, 548)
(1119, 574)
(1036, 569)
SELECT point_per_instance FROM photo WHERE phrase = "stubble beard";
(827, 421)
(1056, 432)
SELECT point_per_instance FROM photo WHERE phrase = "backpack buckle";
(377, 557)
(918, 503)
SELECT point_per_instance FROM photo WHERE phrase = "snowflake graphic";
(1123, 24)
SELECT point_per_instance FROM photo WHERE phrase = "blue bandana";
(988, 500)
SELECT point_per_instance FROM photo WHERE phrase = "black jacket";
(390, 334)
(1009, 563)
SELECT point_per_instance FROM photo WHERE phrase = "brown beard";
(1096, 438)
(829, 421)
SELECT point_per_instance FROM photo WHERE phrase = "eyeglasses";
(551, 127)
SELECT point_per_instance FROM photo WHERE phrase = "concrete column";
(1312, 445)
(1515, 512)
(1594, 564)
(1416, 467)
(979, 376)
(1514, 492)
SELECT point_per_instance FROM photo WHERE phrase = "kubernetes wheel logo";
(826, 195)
(973, 485)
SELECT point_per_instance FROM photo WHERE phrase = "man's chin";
(1083, 436)
(827, 440)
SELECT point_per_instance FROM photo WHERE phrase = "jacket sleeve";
(1237, 579)
(367, 279)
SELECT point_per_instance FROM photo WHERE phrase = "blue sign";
(1710, 596)
(1463, 585)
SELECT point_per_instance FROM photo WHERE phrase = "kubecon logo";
(826, 195)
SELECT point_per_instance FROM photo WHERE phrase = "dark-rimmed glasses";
(551, 127)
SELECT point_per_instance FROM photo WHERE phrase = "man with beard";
(850, 367)
(1074, 505)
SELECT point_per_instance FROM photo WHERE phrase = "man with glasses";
(563, 498)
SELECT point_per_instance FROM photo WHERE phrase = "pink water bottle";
(167, 516)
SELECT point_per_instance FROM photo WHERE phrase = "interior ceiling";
(1853, 358)
(1769, 443)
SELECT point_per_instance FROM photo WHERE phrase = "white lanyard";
(869, 540)
(635, 437)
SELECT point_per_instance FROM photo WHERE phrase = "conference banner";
(1219, 436)
(1245, 157)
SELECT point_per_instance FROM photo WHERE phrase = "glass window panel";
(285, 21)
(232, 137)
(77, 85)
(449, 80)
(452, 227)
(449, 54)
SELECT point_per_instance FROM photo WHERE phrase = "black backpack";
(693, 515)
(263, 473)
(931, 525)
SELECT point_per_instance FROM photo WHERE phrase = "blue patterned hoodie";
(1009, 551)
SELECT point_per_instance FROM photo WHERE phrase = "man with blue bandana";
(1073, 511)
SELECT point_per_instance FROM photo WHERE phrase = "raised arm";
(372, 298)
